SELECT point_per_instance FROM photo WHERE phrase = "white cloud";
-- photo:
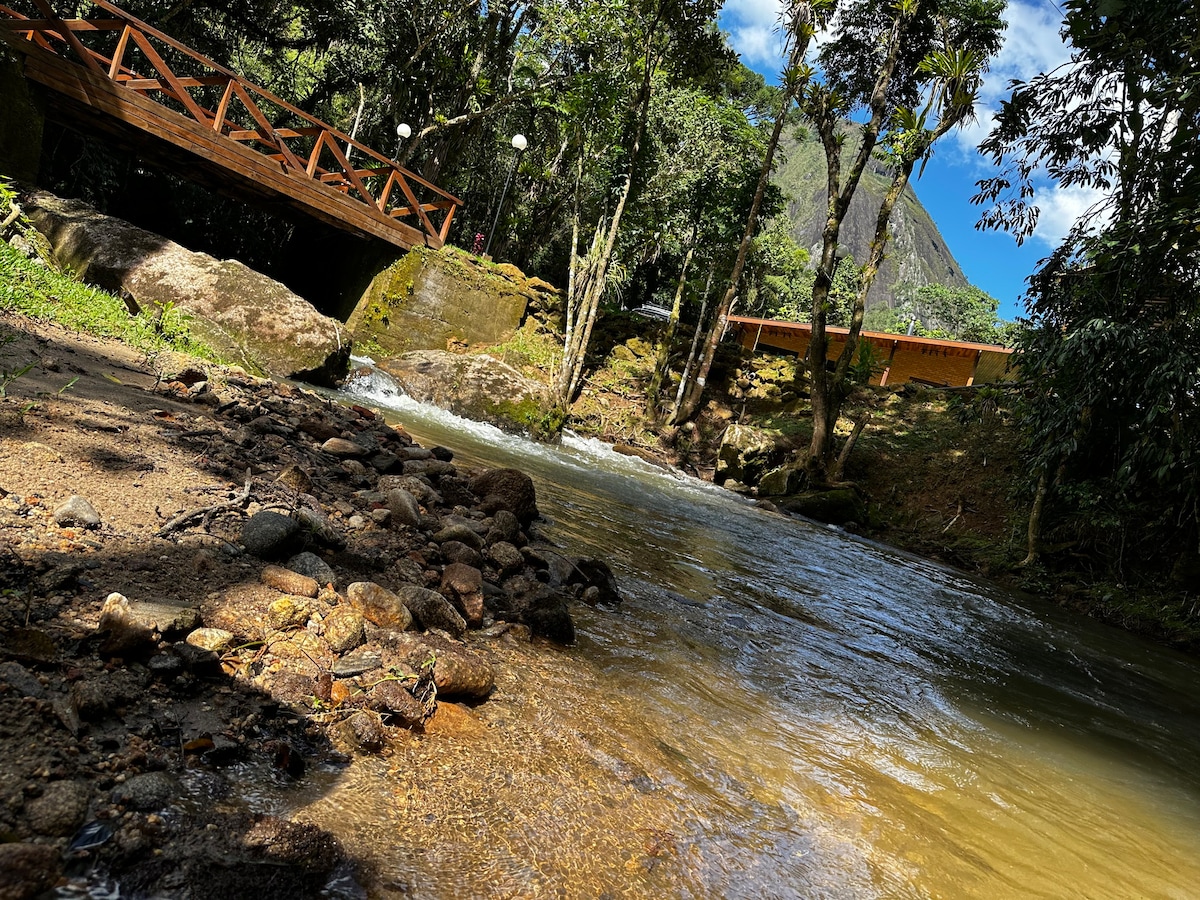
(1032, 45)
(1060, 209)
(753, 32)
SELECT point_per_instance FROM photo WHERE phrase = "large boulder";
(478, 387)
(244, 316)
(747, 453)
(432, 299)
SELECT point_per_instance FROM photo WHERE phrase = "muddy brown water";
(780, 710)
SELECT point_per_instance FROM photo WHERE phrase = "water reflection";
(781, 711)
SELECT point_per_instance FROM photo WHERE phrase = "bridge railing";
(141, 58)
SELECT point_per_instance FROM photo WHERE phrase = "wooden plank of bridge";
(100, 94)
(304, 181)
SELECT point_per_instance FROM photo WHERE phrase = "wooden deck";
(173, 106)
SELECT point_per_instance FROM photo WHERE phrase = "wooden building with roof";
(905, 358)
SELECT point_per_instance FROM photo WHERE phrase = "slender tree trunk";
(799, 38)
(590, 289)
(696, 335)
(839, 469)
(663, 361)
(828, 390)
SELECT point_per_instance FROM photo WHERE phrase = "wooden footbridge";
(120, 75)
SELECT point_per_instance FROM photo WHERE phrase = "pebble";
(312, 566)
(343, 629)
(431, 609)
(357, 663)
(150, 791)
(343, 449)
(404, 508)
(379, 606)
(287, 612)
(289, 582)
(212, 639)
(268, 534)
(77, 512)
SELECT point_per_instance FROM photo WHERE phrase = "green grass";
(38, 291)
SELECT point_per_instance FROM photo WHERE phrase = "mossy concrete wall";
(442, 300)
(21, 123)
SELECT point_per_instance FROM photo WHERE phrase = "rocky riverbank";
(206, 572)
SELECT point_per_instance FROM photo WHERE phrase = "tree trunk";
(828, 390)
(591, 288)
(839, 469)
(696, 335)
(662, 363)
(799, 37)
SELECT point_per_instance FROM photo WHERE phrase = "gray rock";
(312, 566)
(60, 810)
(357, 663)
(478, 387)
(458, 552)
(404, 508)
(432, 610)
(433, 468)
(28, 870)
(319, 526)
(77, 512)
(505, 557)
(379, 606)
(343, 449)
(508, 489)
(148, 792)
(464, 534)
(167, 619)
(505, 527)
(595, 574)
(270, 535)
(415, 485)
(343, 629)
(20, 679)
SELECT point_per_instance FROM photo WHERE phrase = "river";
(780, 710)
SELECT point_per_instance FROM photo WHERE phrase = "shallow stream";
(781, 710)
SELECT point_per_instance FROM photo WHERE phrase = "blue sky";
(992, 261)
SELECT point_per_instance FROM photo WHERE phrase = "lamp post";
(519, 143)
(402, 132)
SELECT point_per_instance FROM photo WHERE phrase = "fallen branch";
(204, 512)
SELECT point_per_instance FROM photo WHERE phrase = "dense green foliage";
(1111, 350)
(937, 311)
